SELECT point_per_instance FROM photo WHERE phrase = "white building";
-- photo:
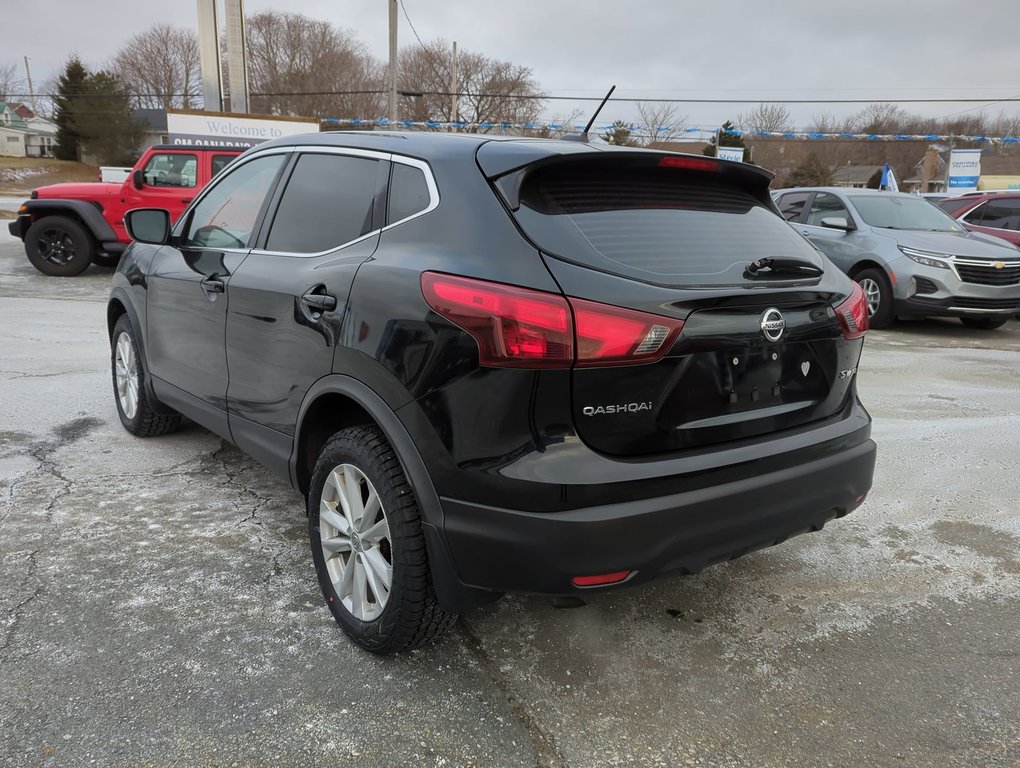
(24, 134)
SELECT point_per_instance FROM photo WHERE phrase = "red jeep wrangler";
(66, 227)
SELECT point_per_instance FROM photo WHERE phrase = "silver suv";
(910, 258)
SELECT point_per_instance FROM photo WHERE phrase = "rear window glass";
(660, 225)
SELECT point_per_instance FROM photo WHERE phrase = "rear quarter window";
(660, 225)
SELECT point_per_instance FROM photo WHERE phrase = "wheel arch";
(81, 211)
(117, 307)
(870, 263)
(338, 401)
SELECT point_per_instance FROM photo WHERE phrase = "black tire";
(409, 615)
(875, 281)
(109, 260)
(983, 323)
(59, 246)
(143, 420)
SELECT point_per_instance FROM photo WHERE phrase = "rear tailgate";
(744, 352)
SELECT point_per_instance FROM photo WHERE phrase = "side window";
(219, 162)
(826, 206)
(999, 214)
(409, 192)
(328, 202)
(951, 206)
(226, 216)
(792, 205)
(171, 170)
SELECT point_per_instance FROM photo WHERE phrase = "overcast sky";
(738, 49)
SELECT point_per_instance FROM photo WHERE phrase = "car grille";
(969, 303)
(982, 272)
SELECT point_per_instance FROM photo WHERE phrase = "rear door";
(287, 301)
(759, 350)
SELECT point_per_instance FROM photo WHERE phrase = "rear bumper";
(509, 550)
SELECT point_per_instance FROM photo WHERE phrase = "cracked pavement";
(158, 605)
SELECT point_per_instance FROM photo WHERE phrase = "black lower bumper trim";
(509, 550)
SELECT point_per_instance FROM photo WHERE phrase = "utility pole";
(393, 61)
(453, 87)
(31, 90)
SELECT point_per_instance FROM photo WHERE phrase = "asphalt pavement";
(158, 604)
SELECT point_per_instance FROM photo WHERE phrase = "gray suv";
(911, 259)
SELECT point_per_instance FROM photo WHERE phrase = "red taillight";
(690, 163)
(523, 328)
(608, 335)
(853, 314)
(514, 327)
(600, 580)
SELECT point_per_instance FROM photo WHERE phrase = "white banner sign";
(964, 170)
(731, 153)
(212, 129)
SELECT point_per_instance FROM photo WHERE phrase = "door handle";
(187, 199)
(319, 302)
(213, 284)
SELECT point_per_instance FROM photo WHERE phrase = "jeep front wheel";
(59, 246)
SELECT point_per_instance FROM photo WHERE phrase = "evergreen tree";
(104, 121)
(70, 88)
(726, 140)
(619, 134)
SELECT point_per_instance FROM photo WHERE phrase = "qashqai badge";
(773, 324)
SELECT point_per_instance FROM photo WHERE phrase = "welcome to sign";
(220, 129)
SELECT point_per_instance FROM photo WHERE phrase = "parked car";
(993, 213)
(910, 257)
(66, 227)
(496, 365)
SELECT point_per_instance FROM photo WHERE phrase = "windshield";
(903, 213)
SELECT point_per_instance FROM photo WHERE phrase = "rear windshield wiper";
(770, 266)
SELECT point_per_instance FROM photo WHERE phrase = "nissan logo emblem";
(772, 324)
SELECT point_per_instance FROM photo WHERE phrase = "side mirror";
(837, 222)
(138, 178)
(148, 225)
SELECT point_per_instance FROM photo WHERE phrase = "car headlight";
(927, 258)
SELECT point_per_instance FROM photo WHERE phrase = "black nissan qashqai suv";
(500, 364)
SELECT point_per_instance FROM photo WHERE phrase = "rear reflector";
(601, 580)
(853, 314)
(523, 328)
(690, 163)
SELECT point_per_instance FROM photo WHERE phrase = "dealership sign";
(964, 170)
(731, 153)
(217, 129)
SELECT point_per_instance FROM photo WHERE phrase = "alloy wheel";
(872, 293)
(125, 369)
(56, 246)
(355, 539)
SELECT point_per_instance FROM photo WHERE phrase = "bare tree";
(661, 121)
(489, 91)
(10, 83)
(303, 66)
(767, 152)
(160, 69)
(766, 117)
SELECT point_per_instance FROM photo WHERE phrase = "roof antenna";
(584, 135)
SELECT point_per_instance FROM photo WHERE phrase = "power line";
(410, 24)
(549, 97)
